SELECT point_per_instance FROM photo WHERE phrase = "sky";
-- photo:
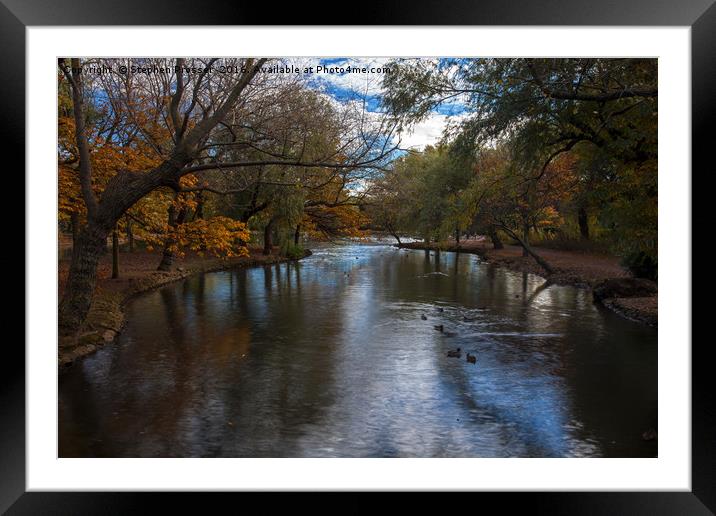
(345, 87)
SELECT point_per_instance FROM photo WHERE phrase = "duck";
(471, 358)
(441, 309)
(649, 435)
(423, 317)
(439, 327)
(454, 354)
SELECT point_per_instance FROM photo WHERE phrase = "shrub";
(641, 265)
(292, 251)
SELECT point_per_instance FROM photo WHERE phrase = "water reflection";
(330, 357)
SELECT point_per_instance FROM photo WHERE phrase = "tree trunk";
(392, 231)
(168, 258)
(496, 242)
(457, 236)
(169, 252)
(525, 238)
(529, 251)
(122, 191)
(115, 253)
(199, 214)
(130, 234)
(583, 220)
(75, 222)
(268, 237)
(297, 235)
(82, 278)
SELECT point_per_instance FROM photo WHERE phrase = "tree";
(603, 111)
(187, 102)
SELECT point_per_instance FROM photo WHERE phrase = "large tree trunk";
(583, 220)
(297, 235)
(75, 223)
(457, 236)
(496, 242)
(115, 253)
(82, 277)
(525, 238)
(168, 257)
(268, 236)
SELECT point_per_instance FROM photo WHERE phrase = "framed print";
(418, 251)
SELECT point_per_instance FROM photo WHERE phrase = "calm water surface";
(329, 357)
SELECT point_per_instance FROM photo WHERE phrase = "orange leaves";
(113, 145)
(548, 217)
(344, 221)
(220, 236)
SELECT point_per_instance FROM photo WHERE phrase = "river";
(338, 356)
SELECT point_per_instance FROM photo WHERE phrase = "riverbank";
(138, 274)
(580, 269)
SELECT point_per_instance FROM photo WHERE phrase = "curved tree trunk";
(392, 231)
(529, 251)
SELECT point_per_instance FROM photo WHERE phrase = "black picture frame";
(700, 15)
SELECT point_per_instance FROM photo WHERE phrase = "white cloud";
(427, 132)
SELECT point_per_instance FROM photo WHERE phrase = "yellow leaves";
(343, 220)
(220, 236)
(549, 217)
